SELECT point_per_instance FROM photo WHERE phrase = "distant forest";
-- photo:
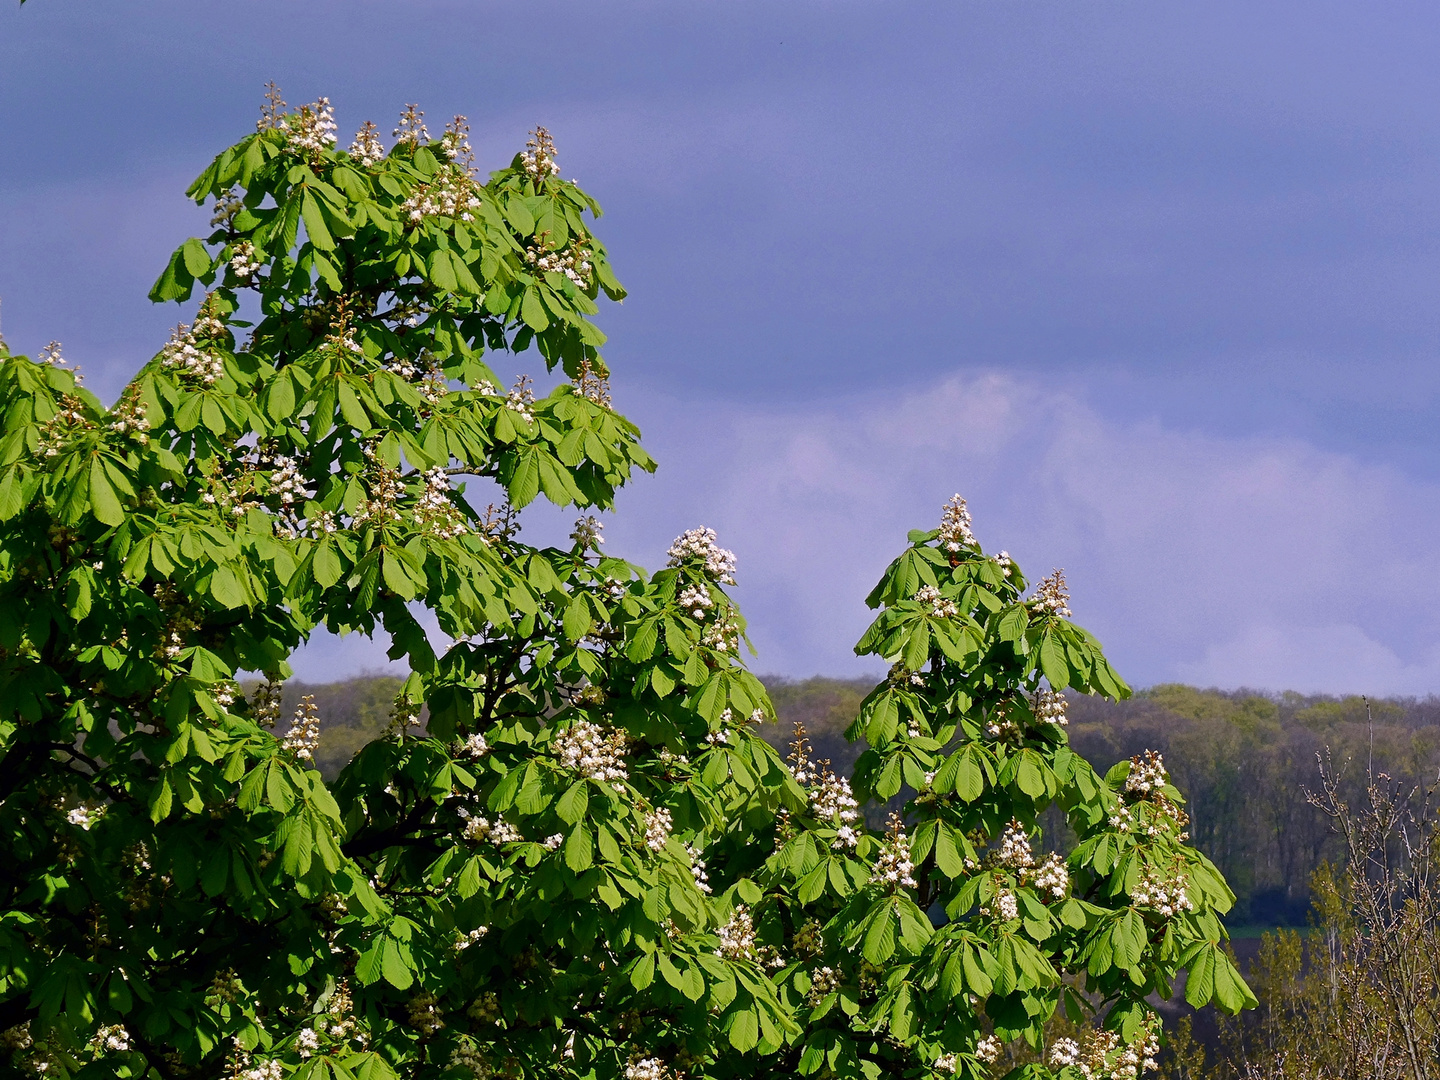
(1244, 760)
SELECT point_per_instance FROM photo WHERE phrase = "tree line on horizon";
(1245, 759)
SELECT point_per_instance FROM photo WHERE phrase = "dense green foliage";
(520, 887)
(1243, 758)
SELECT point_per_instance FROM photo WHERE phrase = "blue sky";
(1153, 285)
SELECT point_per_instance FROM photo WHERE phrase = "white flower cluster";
(989, 1049)
(286, 482)
(266, 1070)
(455, 141)
(720, 737)
(955, 534)
(384, 488)
(593, 385)
(427, 375)
(52, 356)
(1004, 907)
(343, 341)
(304, 734)
(1015, 851)
(823, 981)
(367, 148)
(422, 1015)
(178, 629)
(266, 706)
(113, 1039)
(227, 987)
(538, 157)
(573, 263)
(723, 634)
(1051, 596)
(307, 1042)
(1095, 1061)
(695, 599)
(833, 802)
(999, 725)
(737, 936)
(481, 829)
(184, 354)
(1050, 876)
(17, 1038)
(947, 1063)
(658, 824)
(645, 1068)
(902, 677)
(586, 533)
(450, 193)
(226, 207)
(931, 597)
(84, 816)
(485, 1008)
(1064, 1052)
(244, 261)
(697, 868)
(893, 869)
(1161, 817)
(411, 130)
(1049, 707)
(475, 746)
(809, 940)
(1147, 772)
(129, 418)
(553, 841)
(468, 1057)
(586, 748)
(312, 128)
(60, 428)
(1007, 564)
(1162, 893)
(521, 399)
(435, 509)
(471, 938)
(700, 544)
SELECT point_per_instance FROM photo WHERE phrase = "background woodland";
(1244, 759)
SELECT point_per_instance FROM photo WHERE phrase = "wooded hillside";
(1244, 759)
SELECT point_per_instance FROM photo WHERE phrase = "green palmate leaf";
(579, 849)
(315, 227)
(533, 311)
(327, 567)
(225, 587)
(197, 259)
(572, 805)
(744, 1030)
(103, 501)
(1053, 662)
(175, 283)
(879, 943)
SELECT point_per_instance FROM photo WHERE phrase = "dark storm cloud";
(1216, 222)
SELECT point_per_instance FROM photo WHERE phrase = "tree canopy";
(587, 863)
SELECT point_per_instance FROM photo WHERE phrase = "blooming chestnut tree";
(571, 855)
